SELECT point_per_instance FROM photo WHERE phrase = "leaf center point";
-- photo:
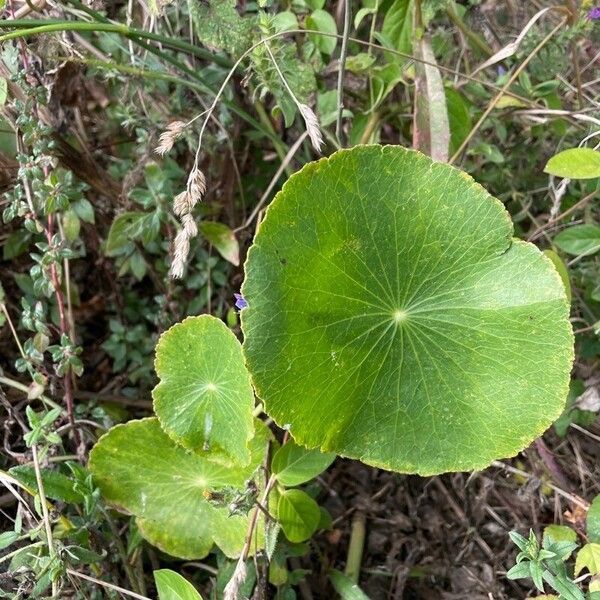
(399, 315)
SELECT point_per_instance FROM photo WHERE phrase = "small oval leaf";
(575, 163)
(295, 465)
(172, 586)
(298, 514)
(223, 239)
(579, 239)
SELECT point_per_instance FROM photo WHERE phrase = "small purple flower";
(240, 302)
(594, 14)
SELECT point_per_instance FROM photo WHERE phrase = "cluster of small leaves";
(549, 563)
(545, 563)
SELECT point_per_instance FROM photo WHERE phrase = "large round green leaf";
(140, 470)
(392, 318)
(204, 400)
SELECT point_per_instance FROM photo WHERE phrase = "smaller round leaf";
(204, 399)
(141, 471)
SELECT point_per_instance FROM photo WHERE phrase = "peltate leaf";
(141, 471)
(392, 318)
(204, 399)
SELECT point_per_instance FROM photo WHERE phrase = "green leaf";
(575, 163)
(172, 586)
(579, 239)
(397, 27)
(519, 571)
(71, 224)
(295, 465)
(223, 239)
(204, 400)
(321, 20)
(459, 118)
(431, 131)
(285, 20)
(559, 533)
(588, 558)
(124, 228)
(140, 470)
(7, 538)
(15, 244)
(567, 589)
(361, 14)
(57, 486)
(84, 209)
(593, 521)
(298, 514)
(345, 587)
(389, 319)
(219, 25)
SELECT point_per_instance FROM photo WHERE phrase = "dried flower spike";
(312, 126)
(168, 137)
(183, 205)
(196, 185)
